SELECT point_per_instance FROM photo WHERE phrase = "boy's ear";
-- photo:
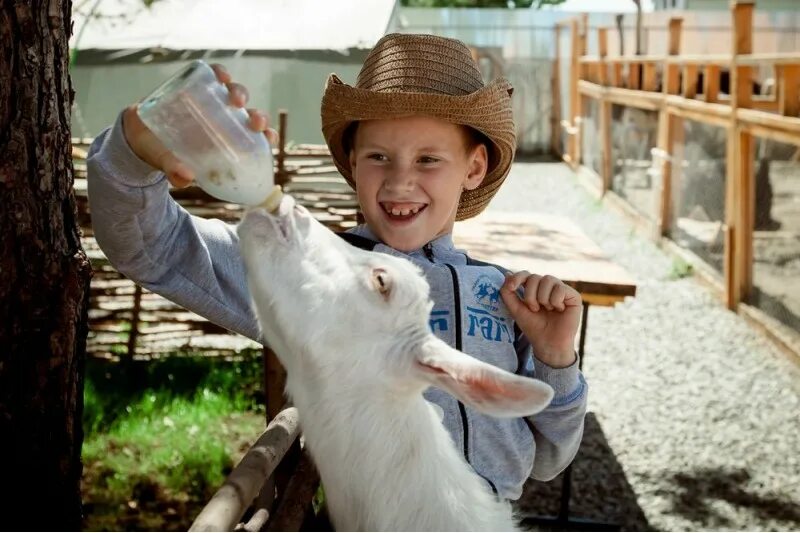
(478, 166)
(482, 386)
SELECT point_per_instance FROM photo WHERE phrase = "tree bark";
(44, 273)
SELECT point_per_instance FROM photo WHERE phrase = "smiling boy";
(424, 143)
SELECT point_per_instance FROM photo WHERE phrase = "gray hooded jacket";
(195, 262)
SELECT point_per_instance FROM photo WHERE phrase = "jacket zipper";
(461, 408)
(428, 250)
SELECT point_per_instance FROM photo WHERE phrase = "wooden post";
(650, 78)
(689, 81)
(670, 130)
(555, 115)
(604, 111)
(136, 311)
(573, 92)
(788, 89)
(740, 192)
(633, 75)
(583, 44)
(280, 160)
(711, 83)
(602, 49)
(672, 72)
(741, 75)
(274, 383)
(617, 75)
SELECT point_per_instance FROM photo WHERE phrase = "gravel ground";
(693, 421)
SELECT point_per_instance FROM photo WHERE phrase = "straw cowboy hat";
(407, 75)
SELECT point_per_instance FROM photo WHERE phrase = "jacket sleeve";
(558, 429)
(152, 240)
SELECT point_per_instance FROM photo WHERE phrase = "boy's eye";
(428, 159)
(377, 157)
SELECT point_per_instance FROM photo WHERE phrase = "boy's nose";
(399, 181)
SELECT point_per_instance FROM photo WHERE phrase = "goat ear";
(484, 387)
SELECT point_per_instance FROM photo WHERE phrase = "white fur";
(358, 356)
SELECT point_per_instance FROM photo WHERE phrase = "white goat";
(351, 329)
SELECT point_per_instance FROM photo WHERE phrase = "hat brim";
(487, 110)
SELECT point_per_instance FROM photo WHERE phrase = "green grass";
(161, 436)
(679, 269)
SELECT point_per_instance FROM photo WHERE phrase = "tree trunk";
(44, 273)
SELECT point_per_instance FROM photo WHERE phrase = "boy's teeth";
(404, 211)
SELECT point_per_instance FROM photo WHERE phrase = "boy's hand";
(149, 149)
(548, 314)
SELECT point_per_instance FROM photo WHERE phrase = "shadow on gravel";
(695, 492)
(600, 491)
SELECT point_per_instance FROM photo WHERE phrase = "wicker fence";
(126, 321)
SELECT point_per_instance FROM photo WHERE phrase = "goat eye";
(381, 281)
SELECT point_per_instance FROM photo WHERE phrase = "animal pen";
(702, 152)
(715, 177)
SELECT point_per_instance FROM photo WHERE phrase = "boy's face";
(409, 174)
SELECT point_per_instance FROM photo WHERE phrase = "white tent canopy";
(230, 24)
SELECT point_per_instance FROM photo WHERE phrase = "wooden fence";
(668, 85)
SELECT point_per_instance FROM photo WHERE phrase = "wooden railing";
(671, 85)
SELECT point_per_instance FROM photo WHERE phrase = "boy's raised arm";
(151, 239)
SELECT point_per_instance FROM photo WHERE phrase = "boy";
(424, 143)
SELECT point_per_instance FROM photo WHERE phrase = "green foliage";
(679, 269)
(538, 4)
(154, 454)
(112, 389)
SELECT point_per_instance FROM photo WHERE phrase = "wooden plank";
(698, 116)
(555, 90)
(229, 503)
(638, 99)
(634, 76)
(574, 95)
(602, 67)
(665, 143)
(672, 79)
(768, 120)
(711, 83)
(771, 134)
(712, 110)
(789, 89)
(643, 59)
(742, 36)
(733, 219)
(296, 498)
(672, 71)
(605, 134)
(747, 212)
(719, 60)
(780, 58)
(690, 75)
(546, 244)
(616, 74)
(274, 383)
(675, 27)
(650, 78)
(590, 89)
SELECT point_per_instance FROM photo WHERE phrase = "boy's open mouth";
(402, 211)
